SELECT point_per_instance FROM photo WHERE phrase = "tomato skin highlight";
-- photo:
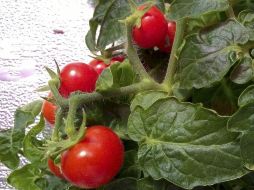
(153, 28)
(49, 110)
(77, 77)
(95, 160)
(166, 46)
(54, 169)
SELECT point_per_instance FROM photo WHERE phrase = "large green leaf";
(194, 8)
(107, 15)
(150, 184)
(11, 140)
(207, 57)
(25, 178)
(247, 96)
(115, 76)
(185, 144)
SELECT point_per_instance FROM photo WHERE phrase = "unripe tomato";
(54, 169)
(95, 160)
(100, 65)
(77, 77)
(48, 111)
(153, 28)
(166, 46)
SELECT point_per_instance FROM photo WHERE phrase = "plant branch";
(58, 123)
(132, 53)
(172, 64)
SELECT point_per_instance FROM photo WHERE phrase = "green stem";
(123, 91)
(132, 53)
(58, 124)
(73, 106)
(169, 78)
(53, 87)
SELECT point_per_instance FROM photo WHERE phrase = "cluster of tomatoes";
(90, 163)
(98, 157)
(154, 31)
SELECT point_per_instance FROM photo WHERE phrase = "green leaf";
(150, 184)
(11, 140)
(206, 20)
(7, 156)
(207, 57)
(115, 76)
(243, 119)
(247, 96)
(25, 178)
(194, 8)
(247, 143)
(31, 145)
(105, 22)
(246, 17)
(243, 72)
(185, 144)
(50, 182)
(119, 127)
(131, 167)
(146, 99)
(126, 183)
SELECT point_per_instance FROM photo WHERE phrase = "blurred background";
(32, 34)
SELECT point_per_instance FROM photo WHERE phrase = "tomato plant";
(77, 77)
(95, 160)
(48, 111)
(183, 122)
(152, 30)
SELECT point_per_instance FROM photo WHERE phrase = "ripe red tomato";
(77, 77)
(166, 46)
(100, 65)
(153, 28)
(95, 160)
(54, 169)
(48, 111)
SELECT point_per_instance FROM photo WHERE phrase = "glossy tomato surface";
(77, 77)
(54, 168)
(95, 160)
(166, 46)
(49, 110)
(100, 65)
(153, 29)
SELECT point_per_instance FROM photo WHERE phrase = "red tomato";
(48, 111)
(54, 169)
(77, 77)
(100, 65)
(95, 160)
(166, 46)
(153, 28)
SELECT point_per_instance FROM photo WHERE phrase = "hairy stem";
(172, 64)
(132, 54)
(58, 123)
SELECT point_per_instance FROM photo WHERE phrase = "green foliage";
(185, 144)
(201, 139)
